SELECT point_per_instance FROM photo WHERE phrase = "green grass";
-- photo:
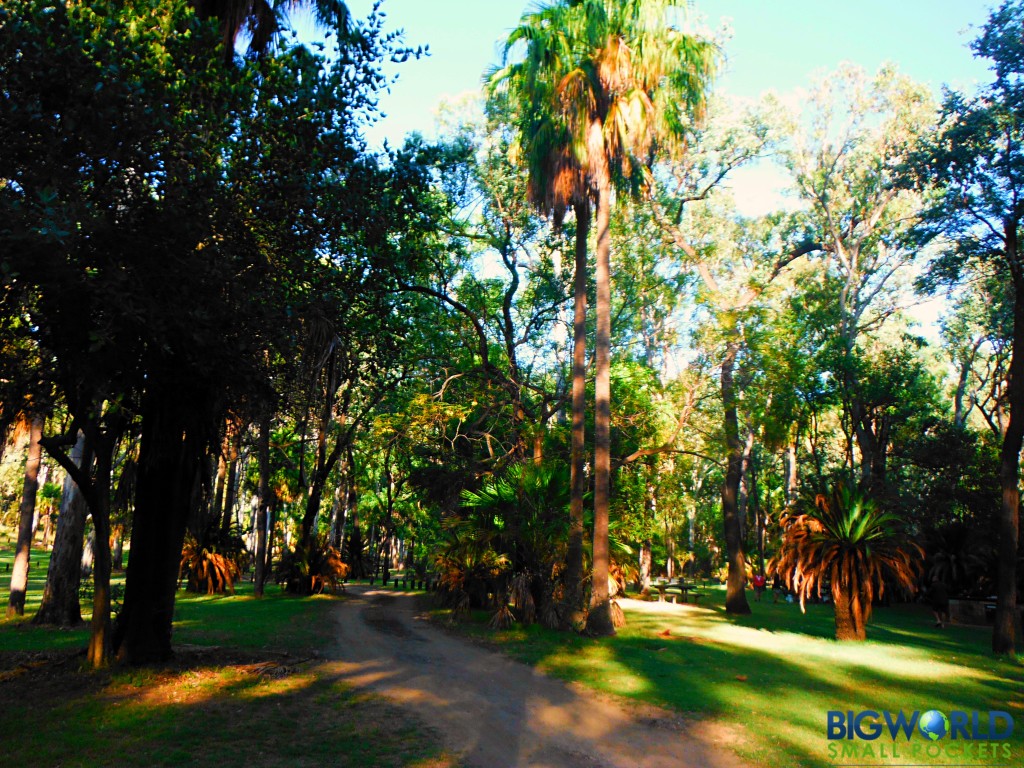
(769, 678)
(39, 561)
(17, 633)
(277, 622)
(247, 689)
(766, 679)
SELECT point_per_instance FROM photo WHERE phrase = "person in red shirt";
(759, 582)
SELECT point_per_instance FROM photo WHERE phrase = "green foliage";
(620, 66)
(848, 546)
(311, 571)
(508, 542)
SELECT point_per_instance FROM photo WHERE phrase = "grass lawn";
(248, 688)
(771, 677)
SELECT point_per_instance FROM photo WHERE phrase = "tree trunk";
(61, 606)
(22, 553)
(262, 505)
(645, 567)
(355, 549)
(670, 549)
(573, 614)
(219, 486)
(1005, 629)
(171, 454)
(791, 472)
(325, 463)
(273, 513)
(599, 619)
(100, 640)
(849, 616)
(735, 594)
(231, 444)
(743, 495)
(754, 502)
(117, 551)
(959, 410)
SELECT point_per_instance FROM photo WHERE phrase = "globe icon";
(933, 725)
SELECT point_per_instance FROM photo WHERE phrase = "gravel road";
(499, 713)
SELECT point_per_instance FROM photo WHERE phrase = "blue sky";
(776, 44)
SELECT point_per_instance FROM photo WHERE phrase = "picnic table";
(685, 590)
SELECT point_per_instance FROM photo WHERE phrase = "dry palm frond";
(460, 607)
(502, 618)
(522, 598)
(549, 617)
(329, 572)
(312, 572)
(847, 543)
(208, 571)
(618, 617)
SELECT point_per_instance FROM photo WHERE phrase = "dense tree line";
(244, 336)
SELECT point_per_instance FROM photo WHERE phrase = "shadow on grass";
(776, 673)
(236, 714)
(246, 688)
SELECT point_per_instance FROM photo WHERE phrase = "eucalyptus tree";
(601, 86)
(738, 260)
(977, 337)
(844, 151)
(26, 512)
(77, 194)
(60, 604)
(734, 260)
(506, 320)
(976, 164)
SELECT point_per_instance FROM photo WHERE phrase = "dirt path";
(499, 713)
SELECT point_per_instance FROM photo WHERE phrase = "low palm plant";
(523, 513)
(846, 545)
(213, 562)
(312, 571)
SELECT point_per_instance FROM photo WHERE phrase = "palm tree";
(849, 546)
(263, 20)
(602, 86)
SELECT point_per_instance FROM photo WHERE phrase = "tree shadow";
(780, 676)
(221, 708)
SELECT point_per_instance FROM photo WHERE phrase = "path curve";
(499, 713)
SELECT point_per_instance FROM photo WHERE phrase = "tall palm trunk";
(735, 595)
(19, 575)
(577, 481)
(599, 620)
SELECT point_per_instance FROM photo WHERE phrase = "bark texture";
(22, 552)
(60, 605)
(574, 613)
(599, 620)
(735, 594)
(171, 454)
